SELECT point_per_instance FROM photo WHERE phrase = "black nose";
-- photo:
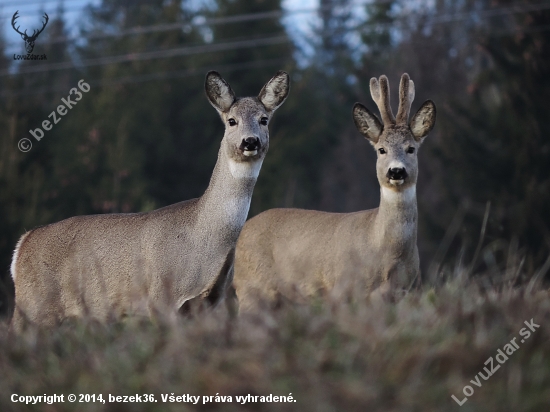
(397, 173)
(250, 143)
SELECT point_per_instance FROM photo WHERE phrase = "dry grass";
(367, 355)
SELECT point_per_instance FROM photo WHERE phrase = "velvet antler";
(380, 92)
(406, 97)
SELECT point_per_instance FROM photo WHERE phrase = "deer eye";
(232, 122)
(410, 150)
(263, 121)
(382, 150)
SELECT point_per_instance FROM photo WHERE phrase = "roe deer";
(106, 266)
(287, 251)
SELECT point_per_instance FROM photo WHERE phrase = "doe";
(112, 265)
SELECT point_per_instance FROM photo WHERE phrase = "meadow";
(346, 353)
(145, 137)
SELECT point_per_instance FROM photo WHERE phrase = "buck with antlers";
(120, 264)
(294, 251)
(29, 40)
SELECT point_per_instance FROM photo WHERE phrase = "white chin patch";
(250, 153)
(245, 169)
(406, 195)
(397, 182)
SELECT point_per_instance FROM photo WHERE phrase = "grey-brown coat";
(122, 264)
(293, 252)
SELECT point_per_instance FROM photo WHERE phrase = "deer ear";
(367, 123)
(274, 93)
(423, 121)
(219, 93)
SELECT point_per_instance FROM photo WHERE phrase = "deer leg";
(212, 297)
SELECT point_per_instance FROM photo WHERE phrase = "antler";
(15, 16)
(380, 92)
(406, 97)
(35, 35)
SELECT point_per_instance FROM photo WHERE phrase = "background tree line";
(145, 136)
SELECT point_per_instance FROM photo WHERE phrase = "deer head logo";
(29, 40)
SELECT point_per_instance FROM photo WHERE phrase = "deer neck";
(226, 201)
(397, 216)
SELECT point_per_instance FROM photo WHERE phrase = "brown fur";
(299, 253)
(108, 266)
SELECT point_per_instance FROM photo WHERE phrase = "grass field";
(363, 355)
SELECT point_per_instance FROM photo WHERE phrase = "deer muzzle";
(397, 175)
(250, 146)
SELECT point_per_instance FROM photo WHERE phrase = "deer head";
(246, 119)
(29, 40)
(395, 139)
